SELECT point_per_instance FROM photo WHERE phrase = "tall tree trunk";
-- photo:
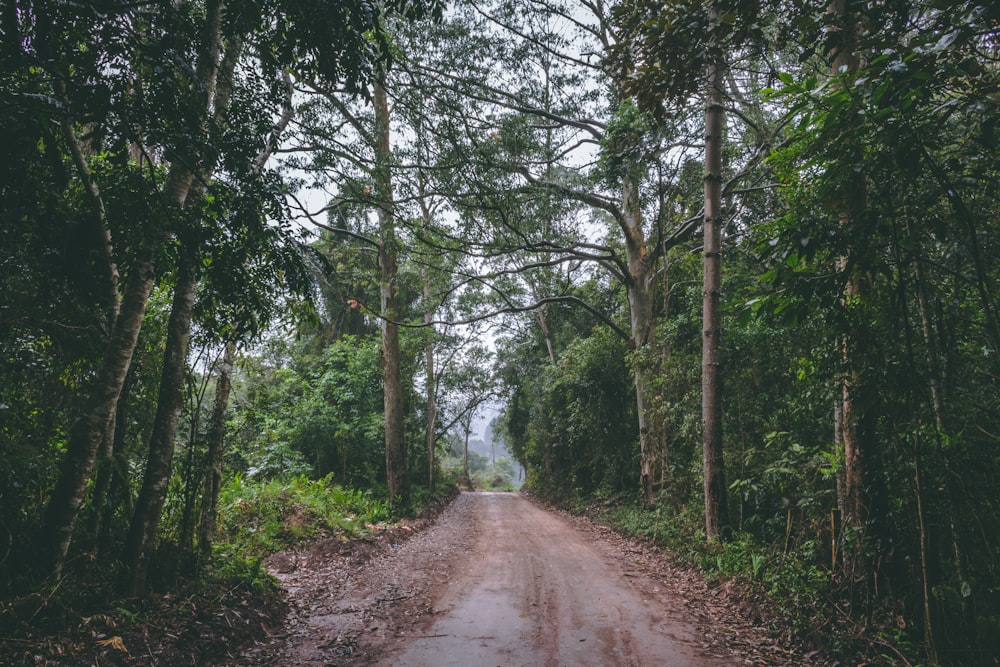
(141, 539)
(98, 216)
(431, 435)
(853, 428)
(716, 502)
(213, 457)
(925, 577)
(104, 466)
(192, 474)
(397, 479)
(465, 457)
(660, 427)
(117, 474)
(937, 405)
(87, 433)
(543, 322)
(641, 328)
(430, 379)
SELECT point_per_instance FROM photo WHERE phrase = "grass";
(258, 518)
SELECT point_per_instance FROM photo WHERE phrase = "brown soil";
(201, 625)
(497, 580)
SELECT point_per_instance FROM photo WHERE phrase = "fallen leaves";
(114, 642)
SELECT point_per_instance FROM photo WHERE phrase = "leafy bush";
(257, 518)
(794, 582)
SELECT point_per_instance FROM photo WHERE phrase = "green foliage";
(484, 475)
(321, 412)
(795, 582)
(625, 147)
(257, 518)
(883, 177)
(666, 48)
(574, 427)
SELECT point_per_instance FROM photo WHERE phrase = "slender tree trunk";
(192, 474)
(117, 480)
(213, 457)
(88, 431)
(141, 539)
(193, 468)
(641, 329)
(104, 466)
(395, 442)
(430, 379)
(465, 457)
(937, 405)
(924, 556)
(431, 416)
(98, 217)
(853, 428)
(838, 440)
(543, 322)
(716, 502)
(661, 432)
(856, 502)
(543, 311)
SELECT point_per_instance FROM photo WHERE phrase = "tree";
(213, 457)
(713, 466)
(371, 165)
(168, 125)
(884, 201)
(522, 138)
(692, 39)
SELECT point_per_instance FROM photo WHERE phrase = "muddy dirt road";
(536, 591)
(498, 580)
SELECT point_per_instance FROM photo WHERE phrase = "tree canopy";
(724, 264)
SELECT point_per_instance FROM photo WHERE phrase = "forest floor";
(494, 579)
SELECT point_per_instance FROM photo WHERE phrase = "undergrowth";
(793, 585)
(258, 518)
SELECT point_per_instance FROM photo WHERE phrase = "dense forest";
(727, 267)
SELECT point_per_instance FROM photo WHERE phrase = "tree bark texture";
(88, 431)
(430, 378)
(118, 490)
(213, 457)
(141, 539)
(392, 384)
(638, 283)
(431, 413)
(716, 502)
(543, 322)
(854, 440)
(104, 466)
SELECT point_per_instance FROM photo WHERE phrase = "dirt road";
(536, 591)
(497, 581)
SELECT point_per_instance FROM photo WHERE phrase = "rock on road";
(498, 581)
